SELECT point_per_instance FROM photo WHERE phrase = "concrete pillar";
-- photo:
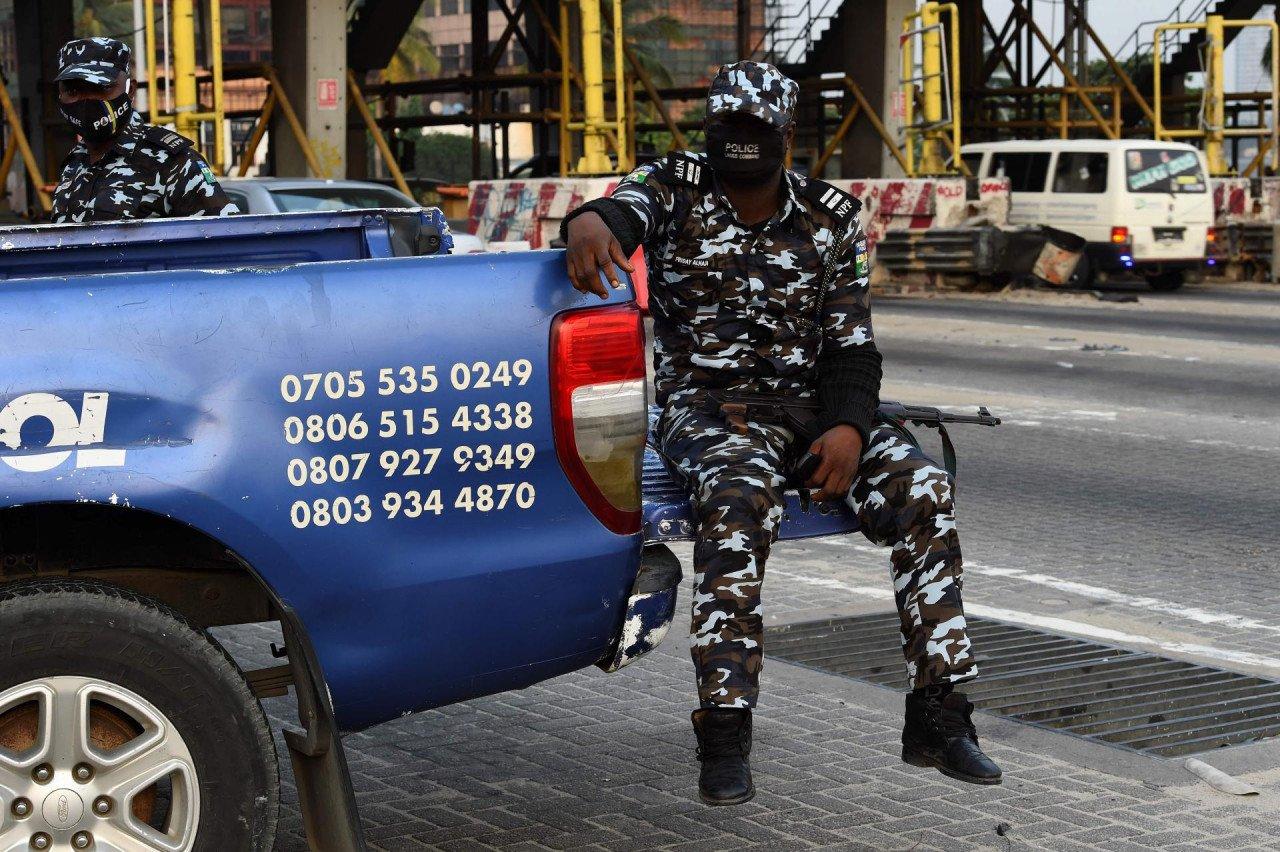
(894, 11)
(309, 46)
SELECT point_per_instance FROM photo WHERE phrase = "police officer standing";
(123, 168)
(758, 281)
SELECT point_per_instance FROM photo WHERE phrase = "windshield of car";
(1163, 170)
(338, 198)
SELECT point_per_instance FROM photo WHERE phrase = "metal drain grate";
(1127, 698)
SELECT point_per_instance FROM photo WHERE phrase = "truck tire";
(1164, 282)
(122, 727)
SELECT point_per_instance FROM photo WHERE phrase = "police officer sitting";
(759, 282)
(122, 167)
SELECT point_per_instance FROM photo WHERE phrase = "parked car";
(1143, 207)
(293, 195)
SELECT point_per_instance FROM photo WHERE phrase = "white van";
(1144, 207)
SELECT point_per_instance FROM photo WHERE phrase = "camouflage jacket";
(149, 172)
(736, 307)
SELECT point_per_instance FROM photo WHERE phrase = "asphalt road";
(1135, 485)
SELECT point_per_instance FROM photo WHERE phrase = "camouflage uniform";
(902, 501)
(737, 307)
(148, 172)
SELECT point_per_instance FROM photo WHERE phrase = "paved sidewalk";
(595, 761)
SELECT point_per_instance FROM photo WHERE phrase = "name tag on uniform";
(701, 263)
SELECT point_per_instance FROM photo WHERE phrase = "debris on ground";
(1219, 780)
(1102, 296)
(1103, 347)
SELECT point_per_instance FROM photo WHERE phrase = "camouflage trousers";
(903, 501)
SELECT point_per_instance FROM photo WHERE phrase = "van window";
(972, 162)
(1026, 171)
(1163, 170)
(1081, 171)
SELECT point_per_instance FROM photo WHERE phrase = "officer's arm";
(849, 368)
(192, 190)
(606, 231)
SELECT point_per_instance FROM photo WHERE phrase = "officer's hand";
(593, 247)
(841, 450)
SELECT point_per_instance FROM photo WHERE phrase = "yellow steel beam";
(1067, 76)
(219, 113)
(184, 68)
(595, 153)
(1258, 158)
(1216, 114)
(259, 131)
(1118, 70)
(20, 141)
(379, 138)
(153, 101)
(931, 86)
(619, 96)
(939, 75)
(6, 163)
(820, 165)
(292, 118)
(865, 105)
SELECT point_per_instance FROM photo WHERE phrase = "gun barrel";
(925, 415)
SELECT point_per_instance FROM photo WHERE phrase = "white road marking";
(1060, 625)
(1100, 593)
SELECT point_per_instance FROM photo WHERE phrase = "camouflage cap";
(99, 61)
(754, 88)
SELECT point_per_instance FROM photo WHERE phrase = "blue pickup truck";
(426, 468)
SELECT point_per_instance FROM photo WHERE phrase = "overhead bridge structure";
(889, 87)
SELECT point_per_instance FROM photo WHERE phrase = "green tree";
(447, 156)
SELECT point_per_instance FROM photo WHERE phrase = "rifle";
(798, 414)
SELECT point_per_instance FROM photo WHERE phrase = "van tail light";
(1119, 235)
(1211, 236)
(599, 409)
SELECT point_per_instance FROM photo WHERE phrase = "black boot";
(724, 744)
(939, 732)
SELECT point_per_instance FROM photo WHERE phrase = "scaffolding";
(1211, 129)
(182, 80)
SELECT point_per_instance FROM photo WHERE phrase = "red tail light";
(1119, 235)
(1211, 236)
(598, 409)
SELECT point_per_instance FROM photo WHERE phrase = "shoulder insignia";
(641, 173)
(163, 136)
(835, 202)
(688, 169)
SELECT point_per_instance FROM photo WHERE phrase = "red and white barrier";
(1234, 199)
(506, 211)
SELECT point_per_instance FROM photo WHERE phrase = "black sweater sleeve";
(849, 388)
(620, 219)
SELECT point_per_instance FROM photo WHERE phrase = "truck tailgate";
(373, 437)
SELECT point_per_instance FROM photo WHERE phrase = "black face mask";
(98, 121)
(743, 155)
